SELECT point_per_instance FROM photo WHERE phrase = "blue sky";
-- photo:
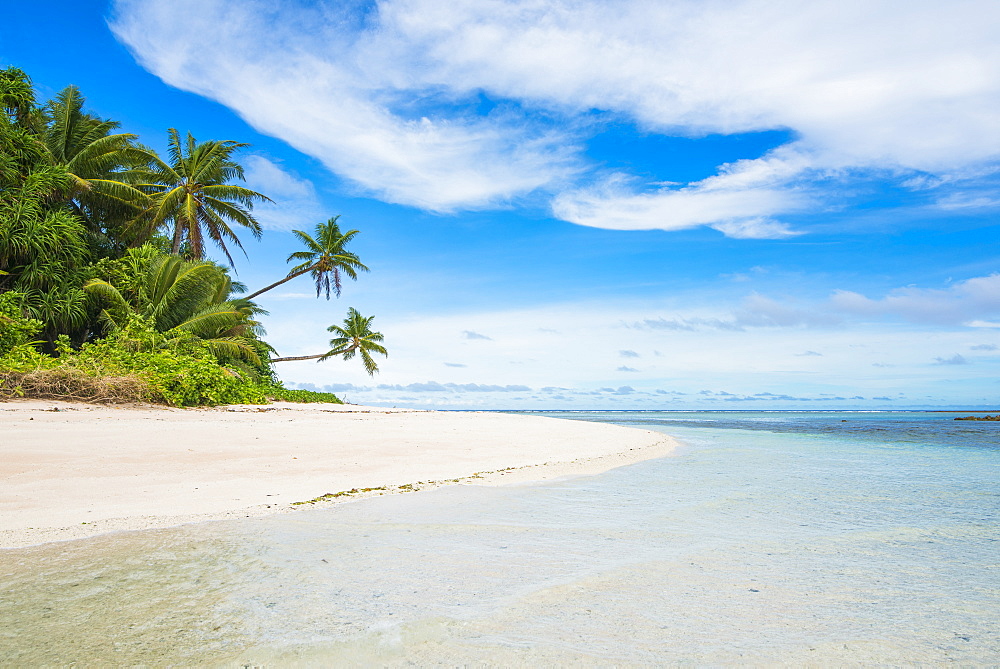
(632, 204)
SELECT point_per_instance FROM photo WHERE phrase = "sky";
(628, 204)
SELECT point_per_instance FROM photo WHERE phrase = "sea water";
(819, 538)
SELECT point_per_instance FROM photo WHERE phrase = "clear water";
(769, 538)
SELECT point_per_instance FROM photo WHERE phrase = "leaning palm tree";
(325, 256)
(355, 337)
(193, 195)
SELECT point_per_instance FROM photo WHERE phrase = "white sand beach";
(71, 470)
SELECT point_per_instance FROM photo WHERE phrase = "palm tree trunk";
(176, 247)
(299, 357)
(278, 283)
(314, 357)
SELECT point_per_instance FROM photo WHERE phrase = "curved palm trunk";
(278, 283)
(315, 357)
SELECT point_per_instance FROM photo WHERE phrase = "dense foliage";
(105, 290)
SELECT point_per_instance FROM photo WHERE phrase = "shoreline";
(75, 470)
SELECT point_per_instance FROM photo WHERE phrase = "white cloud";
(760, 311)
(295, 205)
(749, 344)
(294, 73)
(956, 359)
(968, 302)
(737, 201)
(868, 82)
(435, 387)
(964, 201)
(388, 99)
(469, 334)
(734, 209)
(755, 311)
(524, 368)
(261, 172)
(755, 228)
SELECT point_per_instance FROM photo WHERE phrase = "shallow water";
(768, 538)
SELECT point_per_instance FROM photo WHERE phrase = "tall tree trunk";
(176, 248)
(314, 357)
(278, 283)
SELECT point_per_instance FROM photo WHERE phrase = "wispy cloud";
(971, 300)
(865, 355)
(689, 324)
(435, 387)
(738, 201)
(332, 387)
(295, 205)
(756, 311)
(969, 303)
(389, 96)
(760, 311)
(316, 89)
(469, 334)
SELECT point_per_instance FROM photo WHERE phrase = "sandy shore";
(75, 470)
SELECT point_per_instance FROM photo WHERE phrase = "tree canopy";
(105, 270)
(193, 195)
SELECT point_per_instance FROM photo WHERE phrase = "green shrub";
(183, 374)
(283, 394)
(135, 364)
(16, 331)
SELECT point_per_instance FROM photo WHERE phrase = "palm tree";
(355, 337)
(194, 195)
(100, 164)
(17, 99)
(325, 256)
(184, 299)
(43, 248)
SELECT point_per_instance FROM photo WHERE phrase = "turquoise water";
(768, 538)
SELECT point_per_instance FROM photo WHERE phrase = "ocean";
(796, 538)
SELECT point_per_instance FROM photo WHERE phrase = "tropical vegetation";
(107, 290)
(193, 195)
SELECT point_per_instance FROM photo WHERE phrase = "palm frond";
(212, 320)
(234, 348)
